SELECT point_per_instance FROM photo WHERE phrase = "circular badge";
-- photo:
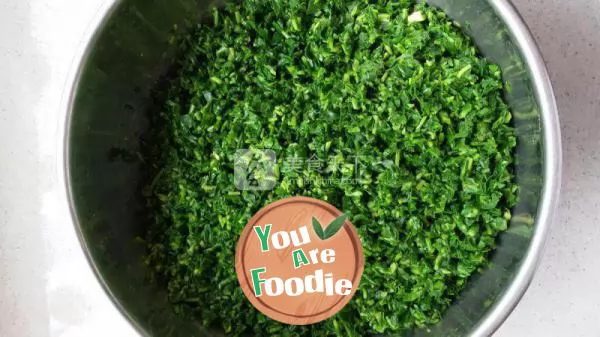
(299, 260)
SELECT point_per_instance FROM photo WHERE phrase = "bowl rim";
(552, 154)
(552, 169)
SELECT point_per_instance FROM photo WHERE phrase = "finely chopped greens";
(382, 108)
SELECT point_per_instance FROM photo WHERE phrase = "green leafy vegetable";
(384, 109)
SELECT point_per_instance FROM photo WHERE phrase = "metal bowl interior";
(110, 98)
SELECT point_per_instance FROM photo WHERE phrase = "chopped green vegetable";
(384, 109)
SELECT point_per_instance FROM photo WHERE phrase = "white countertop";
(48, 290)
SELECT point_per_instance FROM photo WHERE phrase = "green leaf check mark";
(331, 229)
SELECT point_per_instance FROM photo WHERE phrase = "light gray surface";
(46, 287)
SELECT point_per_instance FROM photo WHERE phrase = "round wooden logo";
(299, 260)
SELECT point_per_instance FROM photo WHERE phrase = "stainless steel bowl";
(126, 55)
